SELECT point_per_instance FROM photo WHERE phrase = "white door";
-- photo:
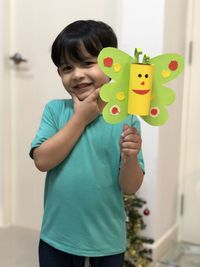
(34, 26)
(190, 154)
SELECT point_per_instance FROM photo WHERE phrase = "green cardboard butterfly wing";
(116, 64)
(166, 68)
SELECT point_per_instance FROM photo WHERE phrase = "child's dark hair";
(91, 34)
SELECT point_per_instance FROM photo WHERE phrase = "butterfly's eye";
(140, 75)
(146, 76)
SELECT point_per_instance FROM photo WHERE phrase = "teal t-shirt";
(83, 203)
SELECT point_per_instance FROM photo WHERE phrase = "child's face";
(82, 78)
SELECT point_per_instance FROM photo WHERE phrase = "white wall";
(142, 26)
(5, 130)
(158, 26)
(169, 146)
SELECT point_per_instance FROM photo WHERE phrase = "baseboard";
(3, 225)
(164, 243)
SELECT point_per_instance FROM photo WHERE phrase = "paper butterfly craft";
(138, 88)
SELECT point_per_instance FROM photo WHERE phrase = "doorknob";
(17, 58)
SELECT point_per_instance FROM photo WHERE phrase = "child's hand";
(87, 109)
(130, 142)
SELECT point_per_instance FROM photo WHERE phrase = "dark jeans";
(51, 257)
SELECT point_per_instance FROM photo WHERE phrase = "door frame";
(185, 116)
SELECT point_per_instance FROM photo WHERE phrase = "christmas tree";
(136, 254)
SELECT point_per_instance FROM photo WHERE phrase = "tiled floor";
(181, 255)
(18, 247)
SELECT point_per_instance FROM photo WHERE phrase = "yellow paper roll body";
(140, 87)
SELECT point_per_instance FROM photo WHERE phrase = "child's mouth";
(82, 86)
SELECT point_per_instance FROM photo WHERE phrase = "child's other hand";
(130, 142)
(87, 109)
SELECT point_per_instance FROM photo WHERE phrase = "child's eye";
(88, 63)
(66, 68)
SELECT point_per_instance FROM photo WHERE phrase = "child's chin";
(83, 96)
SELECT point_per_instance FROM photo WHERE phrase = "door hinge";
(182, 205)
(190, 52)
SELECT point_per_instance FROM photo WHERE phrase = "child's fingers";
(132, 137)
(130, 145)
(75, 98)
(130, 148)
(130, 141)
(129, 131)
(94, 95)
(125, 127)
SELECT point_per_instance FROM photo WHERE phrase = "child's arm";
(131, 174)
(54, 150)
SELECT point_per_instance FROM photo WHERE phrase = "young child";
(89, 163)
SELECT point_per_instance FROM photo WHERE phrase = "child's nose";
(78, 73)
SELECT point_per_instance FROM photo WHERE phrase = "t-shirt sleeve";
(46, 129)
(136, 124)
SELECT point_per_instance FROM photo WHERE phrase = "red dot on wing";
(115, 110)
(108, 61)
(154, 112)
(173, 65)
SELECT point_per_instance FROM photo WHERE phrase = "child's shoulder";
(59, 110)
(58, 104)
